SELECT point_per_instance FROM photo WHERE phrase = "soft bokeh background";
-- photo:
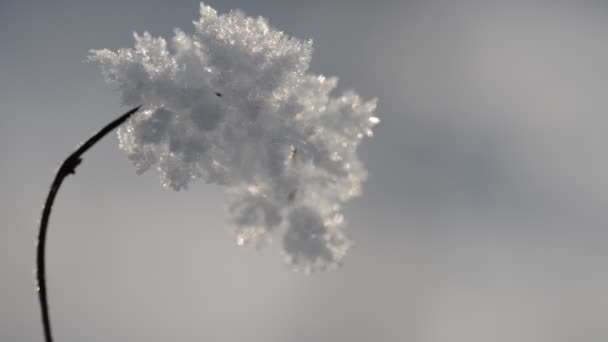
(484, 218)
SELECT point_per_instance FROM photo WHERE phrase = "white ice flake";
(233, 104)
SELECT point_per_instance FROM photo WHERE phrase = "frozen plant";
(233, 104)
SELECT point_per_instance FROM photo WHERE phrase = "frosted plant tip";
(233, 104)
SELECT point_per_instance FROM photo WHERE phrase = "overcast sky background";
(484, 217)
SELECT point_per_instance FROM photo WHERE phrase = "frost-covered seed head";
(233, 104)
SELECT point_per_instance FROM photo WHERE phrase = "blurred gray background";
(484, 217)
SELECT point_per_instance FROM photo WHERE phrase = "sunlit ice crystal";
(233, 104)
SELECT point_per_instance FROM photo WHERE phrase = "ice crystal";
(233, 104)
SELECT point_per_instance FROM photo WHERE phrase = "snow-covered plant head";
(233, 104)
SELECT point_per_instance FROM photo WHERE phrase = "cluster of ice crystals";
(233, 104)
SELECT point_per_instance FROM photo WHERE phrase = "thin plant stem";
(67, 167)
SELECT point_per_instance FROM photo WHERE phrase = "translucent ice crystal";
(233, 104)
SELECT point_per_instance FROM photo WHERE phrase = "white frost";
(233, 104)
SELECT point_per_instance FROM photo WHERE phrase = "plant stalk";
(67, 167)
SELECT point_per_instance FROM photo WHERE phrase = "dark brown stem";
(68, 167)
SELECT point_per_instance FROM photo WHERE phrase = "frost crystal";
(233, 104)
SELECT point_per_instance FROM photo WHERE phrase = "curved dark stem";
(68, 167)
